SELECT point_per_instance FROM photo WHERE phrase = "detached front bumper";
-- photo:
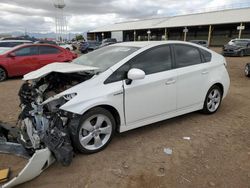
(40, 160)
(37, 163)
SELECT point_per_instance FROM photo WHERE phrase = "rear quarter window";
(206, 56)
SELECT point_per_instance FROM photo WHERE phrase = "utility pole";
(209, 35)
(240, 28)
(185, 31)
(166, 34)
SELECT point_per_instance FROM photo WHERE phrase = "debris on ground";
(211, 184)
(125, 165)
(168, 151)
(186, 179)
(4, 175)
(186, 138)
(161, 171)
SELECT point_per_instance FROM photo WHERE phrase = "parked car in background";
(203, 43)
(247, 70)
(23, 59)
(118, 88)
(83, 47)
(232, 41)
(65, 46)
(237, 47)
(93, 45)
(13, 43)
(107, 42)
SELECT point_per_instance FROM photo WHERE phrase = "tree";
(79, 37)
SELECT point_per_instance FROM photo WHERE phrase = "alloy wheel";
(95, 132)
(247, 70)
(214, 99)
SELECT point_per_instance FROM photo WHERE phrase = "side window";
(186, 55)
(207, 56)
(27, 51)
(152, 61)
(48, 50)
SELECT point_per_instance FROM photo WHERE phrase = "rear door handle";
(170, 81)
(204, 72)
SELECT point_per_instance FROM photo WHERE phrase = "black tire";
(77, 130)
(206, 106)
(247, 70)
(67, 49)
(3, 74)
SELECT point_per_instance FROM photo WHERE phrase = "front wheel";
(95, 130)
(241, 53)
(247, 70)
(3, 74)
(213, 100)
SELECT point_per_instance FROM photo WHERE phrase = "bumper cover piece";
(41, 160)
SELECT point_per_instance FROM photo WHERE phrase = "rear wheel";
(95, 130)
(247, 70)
(213, 100)
(3, 74)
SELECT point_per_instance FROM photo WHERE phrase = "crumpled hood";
(57, 67)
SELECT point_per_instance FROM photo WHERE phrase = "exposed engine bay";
(45, 125)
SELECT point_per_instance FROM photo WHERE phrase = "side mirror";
(136, 74)
(12, 54)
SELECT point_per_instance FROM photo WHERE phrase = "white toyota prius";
(117, 88)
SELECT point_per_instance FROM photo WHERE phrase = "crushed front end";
(43, 129)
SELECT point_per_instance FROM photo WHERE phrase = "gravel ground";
(217, 154)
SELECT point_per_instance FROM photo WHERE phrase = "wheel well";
(114, 112)
(4, 70)
(221, 87)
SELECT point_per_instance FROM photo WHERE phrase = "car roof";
(147, 43)
(15, 41)
(241, 39)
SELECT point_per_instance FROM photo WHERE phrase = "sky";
(84, 15)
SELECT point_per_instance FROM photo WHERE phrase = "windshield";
(105, 57)
(240, 42)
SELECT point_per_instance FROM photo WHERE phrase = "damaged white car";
(116, 88)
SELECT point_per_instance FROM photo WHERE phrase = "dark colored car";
(237, 47)
(93, 45)
(247, 70)
(23, 59)
(83, 47)
(13, 43)
(107, 42)
(203, 43)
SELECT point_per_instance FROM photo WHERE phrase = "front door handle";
(170, 81)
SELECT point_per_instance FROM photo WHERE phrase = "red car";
(23, 59)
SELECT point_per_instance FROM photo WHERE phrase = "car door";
(22, 60)
(49, 54)
(155, 94)
(193, 74)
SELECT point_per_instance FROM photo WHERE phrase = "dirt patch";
(217, 155)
